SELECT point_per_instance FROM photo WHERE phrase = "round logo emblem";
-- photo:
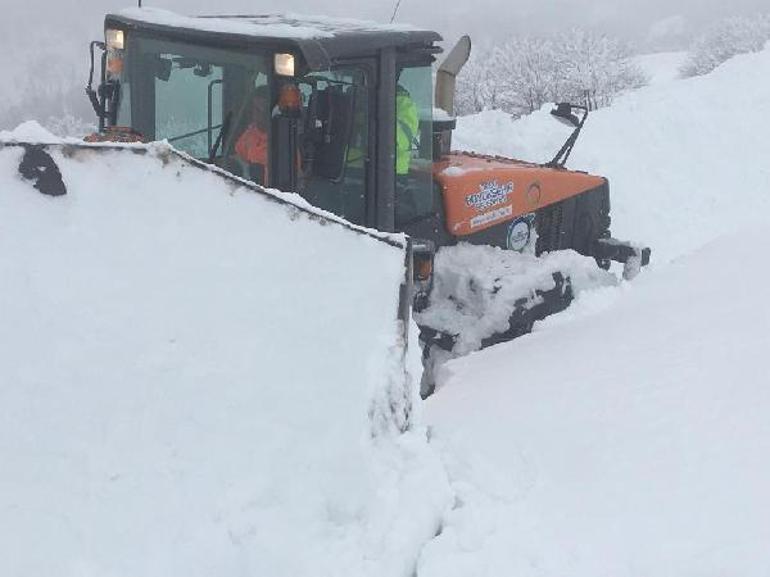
(519, 234)
(534, 193)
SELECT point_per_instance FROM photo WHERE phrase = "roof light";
(116, 39)
(284, 64)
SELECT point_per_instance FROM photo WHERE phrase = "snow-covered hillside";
(628, 436)
(686, 160)
(661, 67)
(193, 382)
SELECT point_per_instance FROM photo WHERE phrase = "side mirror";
(335, 109)
(162, 68)
(565, 114)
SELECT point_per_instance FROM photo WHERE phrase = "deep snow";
(167, 407)
(195, 380)
(626, 437)
(629, 435)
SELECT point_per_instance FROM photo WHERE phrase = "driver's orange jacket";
(252, 145)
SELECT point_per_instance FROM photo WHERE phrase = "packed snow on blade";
(193, 382)
(485, 295)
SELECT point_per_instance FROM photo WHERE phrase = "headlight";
(284, 64)
(115, 39)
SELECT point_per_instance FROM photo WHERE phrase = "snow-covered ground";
(167, 408)
(195, 380)
(628, 436)
(661, 67)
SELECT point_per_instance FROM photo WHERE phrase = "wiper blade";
(189, 134)
(225, 126)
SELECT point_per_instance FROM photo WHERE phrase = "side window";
(183, 102)
(248, 109)
(414, 153)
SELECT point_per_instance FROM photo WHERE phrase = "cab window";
(336, 141)
(414, 152)
(200, 99)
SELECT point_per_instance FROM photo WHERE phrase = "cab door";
(336, 153)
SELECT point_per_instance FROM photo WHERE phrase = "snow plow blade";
(55, 169)
(181, 343)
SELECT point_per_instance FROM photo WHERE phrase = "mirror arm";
(562, 156)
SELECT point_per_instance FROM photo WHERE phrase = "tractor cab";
(337, 110)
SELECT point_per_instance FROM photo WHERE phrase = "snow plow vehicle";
(343, 113)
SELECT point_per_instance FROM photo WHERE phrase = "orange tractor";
(345, 114)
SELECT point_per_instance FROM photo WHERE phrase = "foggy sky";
(481, 18)
(43, 43)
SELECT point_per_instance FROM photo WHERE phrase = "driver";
(251, 146)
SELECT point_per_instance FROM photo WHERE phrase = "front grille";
(549, 226)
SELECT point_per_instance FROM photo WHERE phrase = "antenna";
(395, 10)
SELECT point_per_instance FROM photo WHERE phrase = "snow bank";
(686, 160)
(626, 437)
(197, 378)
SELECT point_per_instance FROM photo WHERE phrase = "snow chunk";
(476, 288)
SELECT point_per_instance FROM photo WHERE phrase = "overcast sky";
(481, 18)
(43, 43)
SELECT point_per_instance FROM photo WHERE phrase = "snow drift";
(198, 378)
(628, 436)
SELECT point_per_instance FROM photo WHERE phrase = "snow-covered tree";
(728, 38)
(594, 68)
(527, 71)
(477, 88)
(523, 74)
(48, 87)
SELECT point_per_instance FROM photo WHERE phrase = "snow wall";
(629, 435)
(200, 378)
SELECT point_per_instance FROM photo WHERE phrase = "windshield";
(199, 99)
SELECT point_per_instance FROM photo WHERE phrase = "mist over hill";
(43, 44)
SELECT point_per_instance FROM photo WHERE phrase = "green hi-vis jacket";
(407, 125)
